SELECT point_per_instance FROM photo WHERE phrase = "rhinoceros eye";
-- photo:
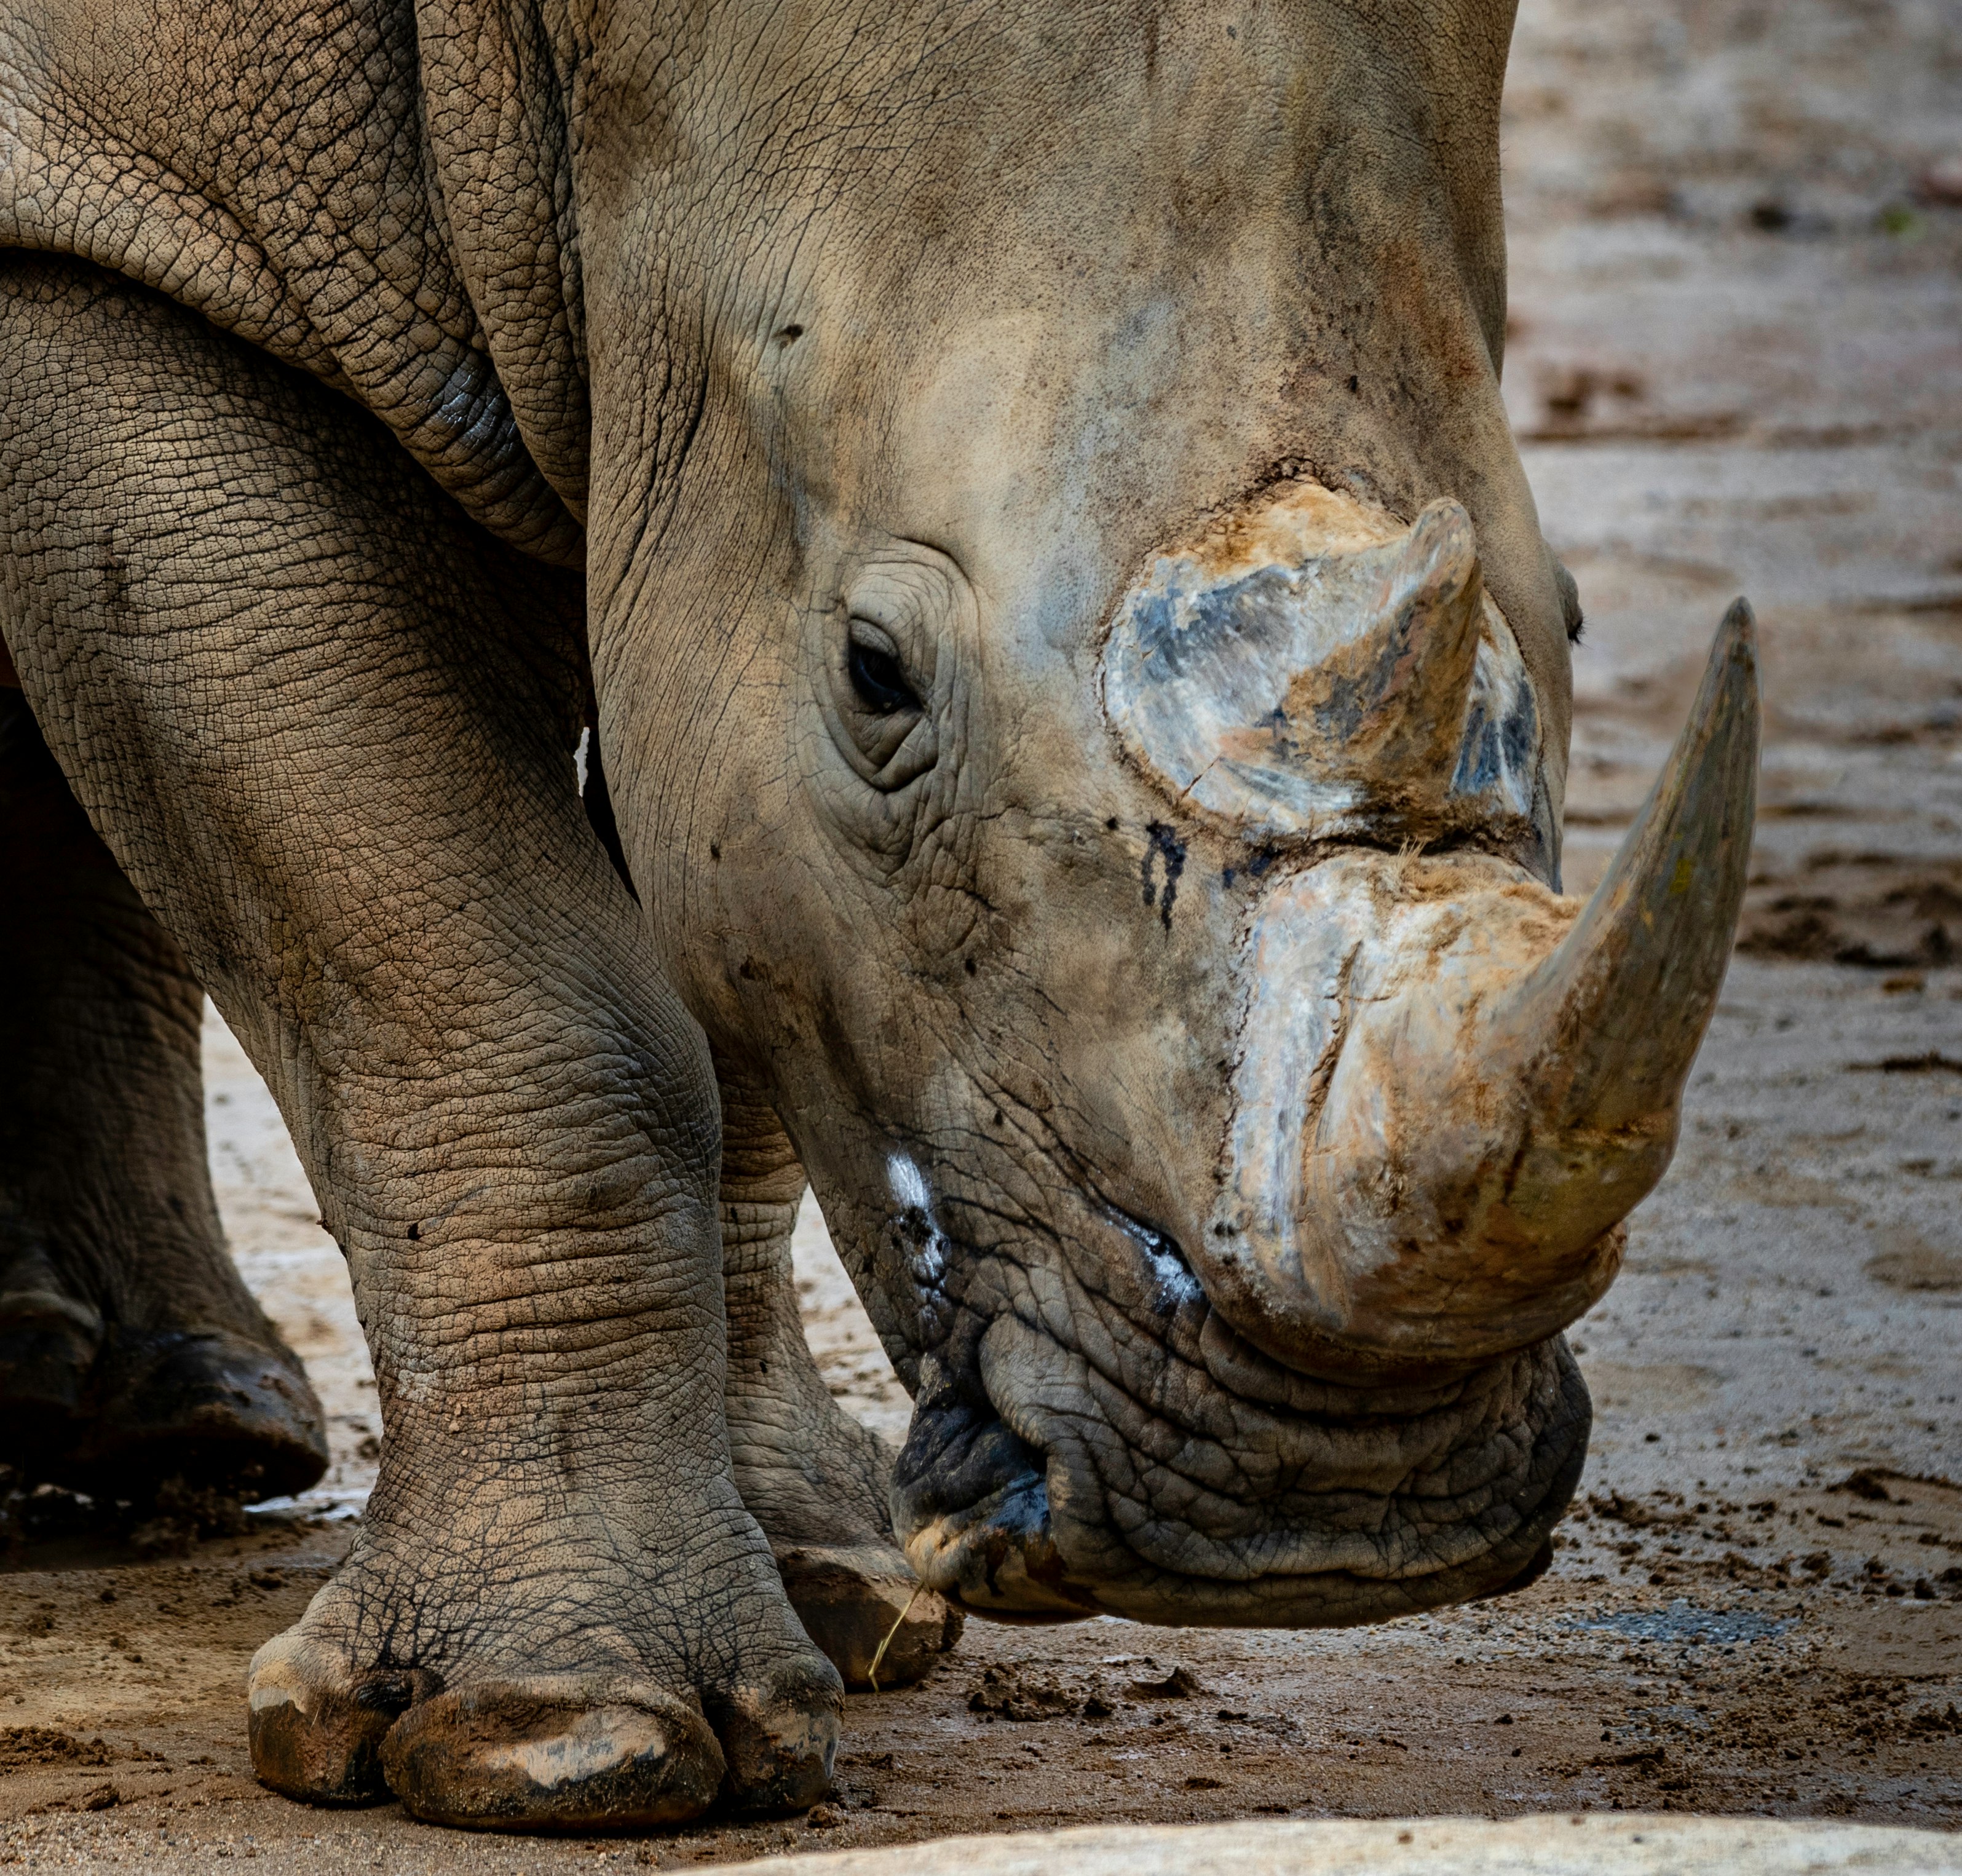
(878, 680)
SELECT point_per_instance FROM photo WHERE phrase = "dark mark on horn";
(1166, 846)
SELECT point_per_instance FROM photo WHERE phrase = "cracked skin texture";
(388, 386)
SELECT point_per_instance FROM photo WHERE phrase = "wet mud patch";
(1876, 910)
(1686, 1622)
(1915, 1266)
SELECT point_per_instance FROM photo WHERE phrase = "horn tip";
(1739, 626)
(1444, 527)
(1441, 551)
(1732, 672)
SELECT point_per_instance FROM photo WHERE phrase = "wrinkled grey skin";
(369, 382)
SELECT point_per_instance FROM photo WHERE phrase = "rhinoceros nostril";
(1173, 1284)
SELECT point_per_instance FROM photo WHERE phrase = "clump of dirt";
(1181, 1684)
(1025, 1692)
(21, 1746)
(1634, 1513)
(1018, 1693)
(1946, 1725)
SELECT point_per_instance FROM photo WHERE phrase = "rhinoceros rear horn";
(1604, 1031)
(1388, 707)
(1324, 671)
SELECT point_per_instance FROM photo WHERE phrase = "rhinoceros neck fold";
(290, 198)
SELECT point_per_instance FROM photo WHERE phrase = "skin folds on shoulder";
(269, 167)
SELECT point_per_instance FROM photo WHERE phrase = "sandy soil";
(1737, 362)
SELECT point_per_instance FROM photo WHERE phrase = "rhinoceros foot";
(864, 1607)
(556, 1753)
(568, 1667)
(317, 1726)
(48, 1347)
(207, 1406)
(115, 1410)
(818, 1483)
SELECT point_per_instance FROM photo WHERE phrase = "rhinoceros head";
(1089, 700)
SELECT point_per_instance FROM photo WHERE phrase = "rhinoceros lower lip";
(1152, 1465)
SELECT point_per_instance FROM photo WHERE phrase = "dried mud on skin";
(1735, 360)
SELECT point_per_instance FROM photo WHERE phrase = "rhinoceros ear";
(1369, 689)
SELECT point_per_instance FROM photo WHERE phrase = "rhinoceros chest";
(266, 165)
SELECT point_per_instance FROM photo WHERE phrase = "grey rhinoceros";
(1020, 499)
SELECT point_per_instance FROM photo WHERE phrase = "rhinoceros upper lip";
(974, 1476)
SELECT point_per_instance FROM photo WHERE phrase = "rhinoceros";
(661, 601)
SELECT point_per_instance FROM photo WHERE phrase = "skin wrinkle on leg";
(455, 1013)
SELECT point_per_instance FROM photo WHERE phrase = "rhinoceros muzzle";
(1452, 1084)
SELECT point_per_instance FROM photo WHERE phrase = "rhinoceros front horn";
(1604, 1030)
(1454, 1087)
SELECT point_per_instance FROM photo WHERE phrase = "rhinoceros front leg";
(324, 726)
(130, 1352)
(814, 1478)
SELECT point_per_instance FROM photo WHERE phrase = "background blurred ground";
(1735, 360)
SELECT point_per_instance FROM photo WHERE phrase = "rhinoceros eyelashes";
(878, 679)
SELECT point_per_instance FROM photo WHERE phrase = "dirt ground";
(1736, 359)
